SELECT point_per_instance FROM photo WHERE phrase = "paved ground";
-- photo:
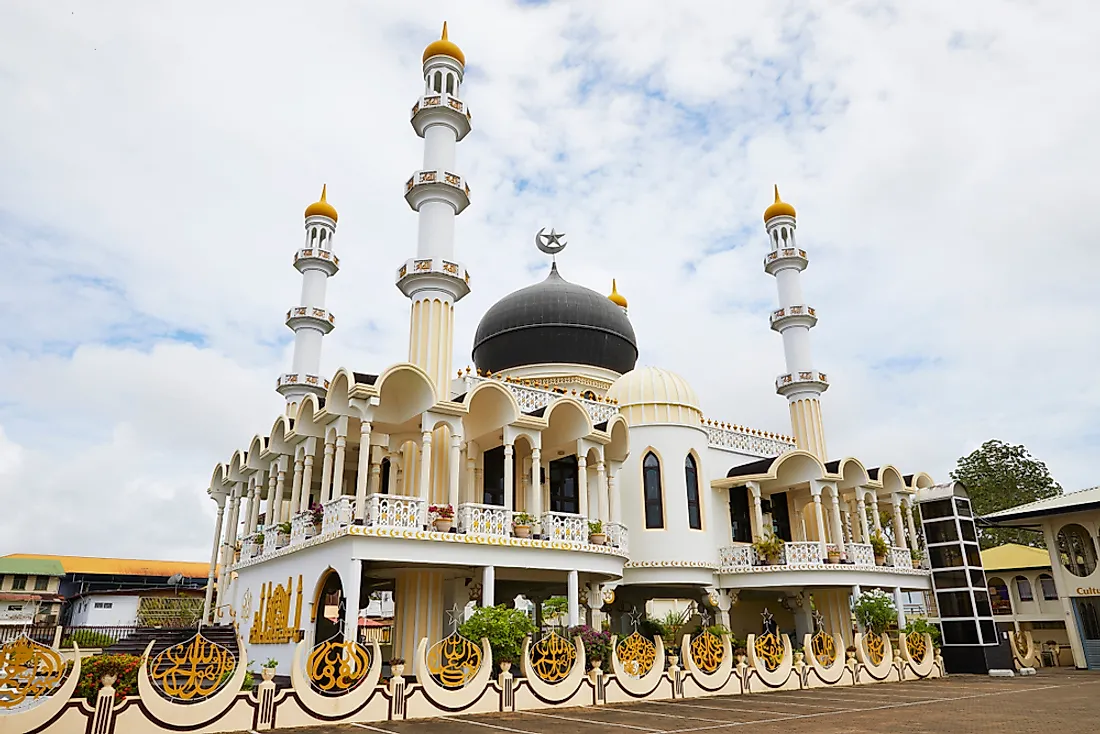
(1056, 702)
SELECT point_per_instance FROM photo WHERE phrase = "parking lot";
(1062, 702)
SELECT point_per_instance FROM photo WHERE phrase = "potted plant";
(799, 654)
(443, 517)
(833, 554)
(769, 548)
(879, 547)
(267, 670)
(282, 534)
(258, 539)
(397, 667)
(670, 628)
(596, 535)
(317, 513)
(521, 524)
(739, 654)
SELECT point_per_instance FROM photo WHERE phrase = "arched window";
(450, 84)
(439, 81)
(384, 476)
(1023, 589)
(654, 501)
(1046, 584)
(691, 474)
(998, 596)
(1077, 550)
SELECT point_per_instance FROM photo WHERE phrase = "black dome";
(555, 321)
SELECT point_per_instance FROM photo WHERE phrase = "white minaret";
(310, 321)
(802, 385)
(434, 281)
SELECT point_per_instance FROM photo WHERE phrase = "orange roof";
(123, 566)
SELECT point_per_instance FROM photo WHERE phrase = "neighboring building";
(1024, 595)
(1070, 525)
(29, 591)
(153, 607)
(570, 469)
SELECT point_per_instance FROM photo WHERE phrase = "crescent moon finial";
(551, 243)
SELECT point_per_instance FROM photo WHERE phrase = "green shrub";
(504, 627)
(919, 626)
(88, 639)
(875, 610)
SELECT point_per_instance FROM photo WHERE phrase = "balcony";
(478, 519)
(802, 555)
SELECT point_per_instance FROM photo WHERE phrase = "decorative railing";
(747, 441)
(274, 539)
(531, 399)
(861, 554)
(40, 633)
(476, 519)
(565, 526)
(302, 528)
(801, 553)
(616, 536)
(338, 513)
(900, 558)
(395, 511)
(250, 548)
(735, 556)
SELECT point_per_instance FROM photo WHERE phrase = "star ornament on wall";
(454, 614)
(768, 623)
(635, 617)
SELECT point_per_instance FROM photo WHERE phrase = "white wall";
(114, 610)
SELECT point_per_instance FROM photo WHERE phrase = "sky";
(156, 160)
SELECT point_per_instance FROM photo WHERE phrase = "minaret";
(310, 321)
(434, 281)
(802, 385)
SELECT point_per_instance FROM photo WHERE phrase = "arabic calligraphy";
(193, 669)
(707, 651)
(876, 647)
(917, 647)
(453, 661)
(552, 658)
(636, 655)
(271, 624)
(28, 670)
(769, 648)
(337, 667)
(823, 647)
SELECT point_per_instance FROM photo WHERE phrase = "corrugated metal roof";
(1013, 555)
(31, 566)
(116, 566)
(1069, 502)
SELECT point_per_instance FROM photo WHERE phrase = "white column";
(573, 598)
(509, 475)
(601, 492)
(255, 482)
(229, 540)
(280, 490)
(296, 485)
(307, 480)
(534, 501)
(326, 473)
(914, 539)
(757, 511)
(362, 475)
(582, 485)
(351, 596)
(453, 469)
(613, 500)
(725, 601)
(838, 525)
(875, 517)
(899, 524)
(488, 586)
(861, 508)
(218, 497)
(471, 473)
(899, 603)
(337, 488)
(425, 466)
(270, 514)
(819, 521)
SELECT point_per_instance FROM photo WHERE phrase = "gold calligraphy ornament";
(271, 624)
(823, 647)
(917, 648)
(707, 651)
(337, 667)
(453, 661)
(192, 670)
(552, 658)
(28, 671)
(769, 648)
(876, 647)
(636, 655)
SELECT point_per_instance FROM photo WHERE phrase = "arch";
(567, 421)
(1077, 550)
(305, 421)
(852, 473)
(218, 478)
(694, 498)
(404, 391)
(890, 478)
(921, 480)
(653, 490)
(619, 448)
(278, 443)
(237, 463)
(796, 467)
(439, 81)
(490, 407)
(999, 597)
(195, 714)
(323, 628)
(255, 450)
(337, 397)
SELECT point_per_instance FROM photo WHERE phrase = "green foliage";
(271, 663)
(597, 645)
(879, 544)
(998, 476)
(919, 626)
(875, 610)
(522, 518)
(504, 627)
(123, 667)
(595, 527)
(770, 546)
(554, 607)
(88, 639)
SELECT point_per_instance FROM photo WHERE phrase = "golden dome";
(616, 297)
(778, 209)
(443, 47)
(321, 208)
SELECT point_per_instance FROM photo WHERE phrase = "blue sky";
(157, 165)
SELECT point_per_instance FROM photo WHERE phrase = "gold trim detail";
(453, 661)
(769, 648)
(636, 655)
(707, 651)
(336, 667)
(28, 671)
(918, 649)
(823, 647)
(552, 658)
(271, 624)
(876, 648)
(192, 670)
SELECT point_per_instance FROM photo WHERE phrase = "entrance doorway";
(1087, 611)
(331, 610)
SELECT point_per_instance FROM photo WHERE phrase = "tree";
(998, 476)
(504, 627)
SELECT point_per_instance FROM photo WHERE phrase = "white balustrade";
(745, 441)
(737, 556)
(801, 553)
(338, 513)
(531, 399)
(477, 519)
(565, 526)
(396, 511)
(861, 554)
(616, 536)
(301, 528)
(250, 548)
(274, 539)
(900, 558)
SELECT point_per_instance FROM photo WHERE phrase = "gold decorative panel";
(553, 657)
(454, 661)
(271, 624)
(876, 647)
(823, 647)
(636, 655)
(707, 651)
(193, 669)
(337, 667)
(28, 671)
(917, 647)
(769, 648)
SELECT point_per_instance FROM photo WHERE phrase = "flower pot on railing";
(673, 661)
(880, 560)
(834, 556)
(522, 531)
(443, 524)
(442, 517)
(597, 538)
(267, 673)
(397, 667)
(521, 524)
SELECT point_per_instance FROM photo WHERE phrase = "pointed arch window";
(654, 496)
(691, 474)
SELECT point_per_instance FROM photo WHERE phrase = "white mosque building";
(557, 466)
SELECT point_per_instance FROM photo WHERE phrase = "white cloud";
(156, 166)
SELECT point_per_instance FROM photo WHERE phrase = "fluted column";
(509, 476)
(453, 469)
(296, 485)
(337, 488)
(271, 515)
(757, 511)
(326, 472)
(307, 481)
(251, 510)
(601, 492)
(876, 518)
(534, 502)
(363, 473)
(219, 497)
(426, 466)
(914, 539)
(819, 521)
(838, 523)
(280, 490)
(899, 524)
(861, 509)
(375, 473)
(471, 473)
(582, 485)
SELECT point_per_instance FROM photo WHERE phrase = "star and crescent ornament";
(551, 243)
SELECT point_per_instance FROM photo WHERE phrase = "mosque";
(558, 466)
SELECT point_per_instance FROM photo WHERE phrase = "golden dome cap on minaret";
(444, 47)
(779, 208)
(321, 208)
(616, 297)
